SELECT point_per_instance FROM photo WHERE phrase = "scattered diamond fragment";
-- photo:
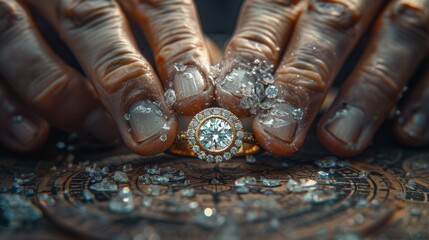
(160, 180)
(327, 162)
(123, 202)
(362, 175)
(17, 209)
(187, 192)
(87, 195)
(320, 196)
(121, 177)
(250, 159)
(271, 91)
(170, 97)
(271, 182)
(154, 190)
(127, 167)
(302, 185)
(323, 174)
(105, 185)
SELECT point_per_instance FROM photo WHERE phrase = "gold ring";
(215, 135)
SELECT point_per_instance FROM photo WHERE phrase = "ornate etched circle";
(215, 135)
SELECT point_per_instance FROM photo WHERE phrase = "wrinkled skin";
(308, 43)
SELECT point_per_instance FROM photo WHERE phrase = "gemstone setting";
(215, 133)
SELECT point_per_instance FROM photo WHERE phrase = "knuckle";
(339, 13)
(10, 15)
(253, 42)
(88, 14)
(48, 89)
(381, 81)
(119, 75)
(413, 15)
(307, 71)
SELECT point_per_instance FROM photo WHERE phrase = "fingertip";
(412, 130)
(328, 136)
(277, 141)
(25, 133)
(193, 90)
(148, 128)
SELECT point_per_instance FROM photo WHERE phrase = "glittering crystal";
(247, 89)
(24, 178)
(127, 117)
(154, 190)
(201, 155)
(214, 181)
(123, 202)
(319, 196)
(127, 167)
(179, 67)
(233, 150)
(161, 180)
(210, 158)
(242, 189)
(227, 156)
(271, 91)
(271, 183)
(274, 122)
(144, 178)
(187, 192)
(17, 209)
(250, 181)
(362, 203)
(215, 134)
(147, 202)
(163, 138)
(218, 159)
(415, 212)
(323, 174)
(362, 175)
(105, 185)
(104, 171)
(238, 143)
(240, 182)
(411, 184)
(327, 162)
(121, 177)
(250, 159)
(298, 113)
(154, 170)
(302, 185)
(170, 97)
(87, 195)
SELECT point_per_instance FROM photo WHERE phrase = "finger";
(43, 81)
(20, 129)
(323, 38)
(412, 126)
(99, 36)
(261, 34)
(398, 44)
(181, 54)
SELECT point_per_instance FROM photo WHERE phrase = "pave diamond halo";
(215, 135)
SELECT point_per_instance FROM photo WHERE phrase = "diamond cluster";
(215, 135)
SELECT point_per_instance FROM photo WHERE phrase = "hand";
(38, 87)
(316, 37)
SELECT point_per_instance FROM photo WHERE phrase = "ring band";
(215, 135)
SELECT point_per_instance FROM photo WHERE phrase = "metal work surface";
(383, 194)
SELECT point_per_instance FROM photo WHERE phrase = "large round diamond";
(215, 134)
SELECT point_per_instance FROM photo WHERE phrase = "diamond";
(215, 134)
(218, 159)
(227, 156)
(210, 158)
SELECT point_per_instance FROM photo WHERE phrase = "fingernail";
(280, 121)
(147, 121)
(188, 82)
(415, 126)
(239, 82)
(22, 129)
(347, 124)
(101, 126)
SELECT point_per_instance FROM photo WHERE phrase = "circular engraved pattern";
(200, 200)
(215, 135)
